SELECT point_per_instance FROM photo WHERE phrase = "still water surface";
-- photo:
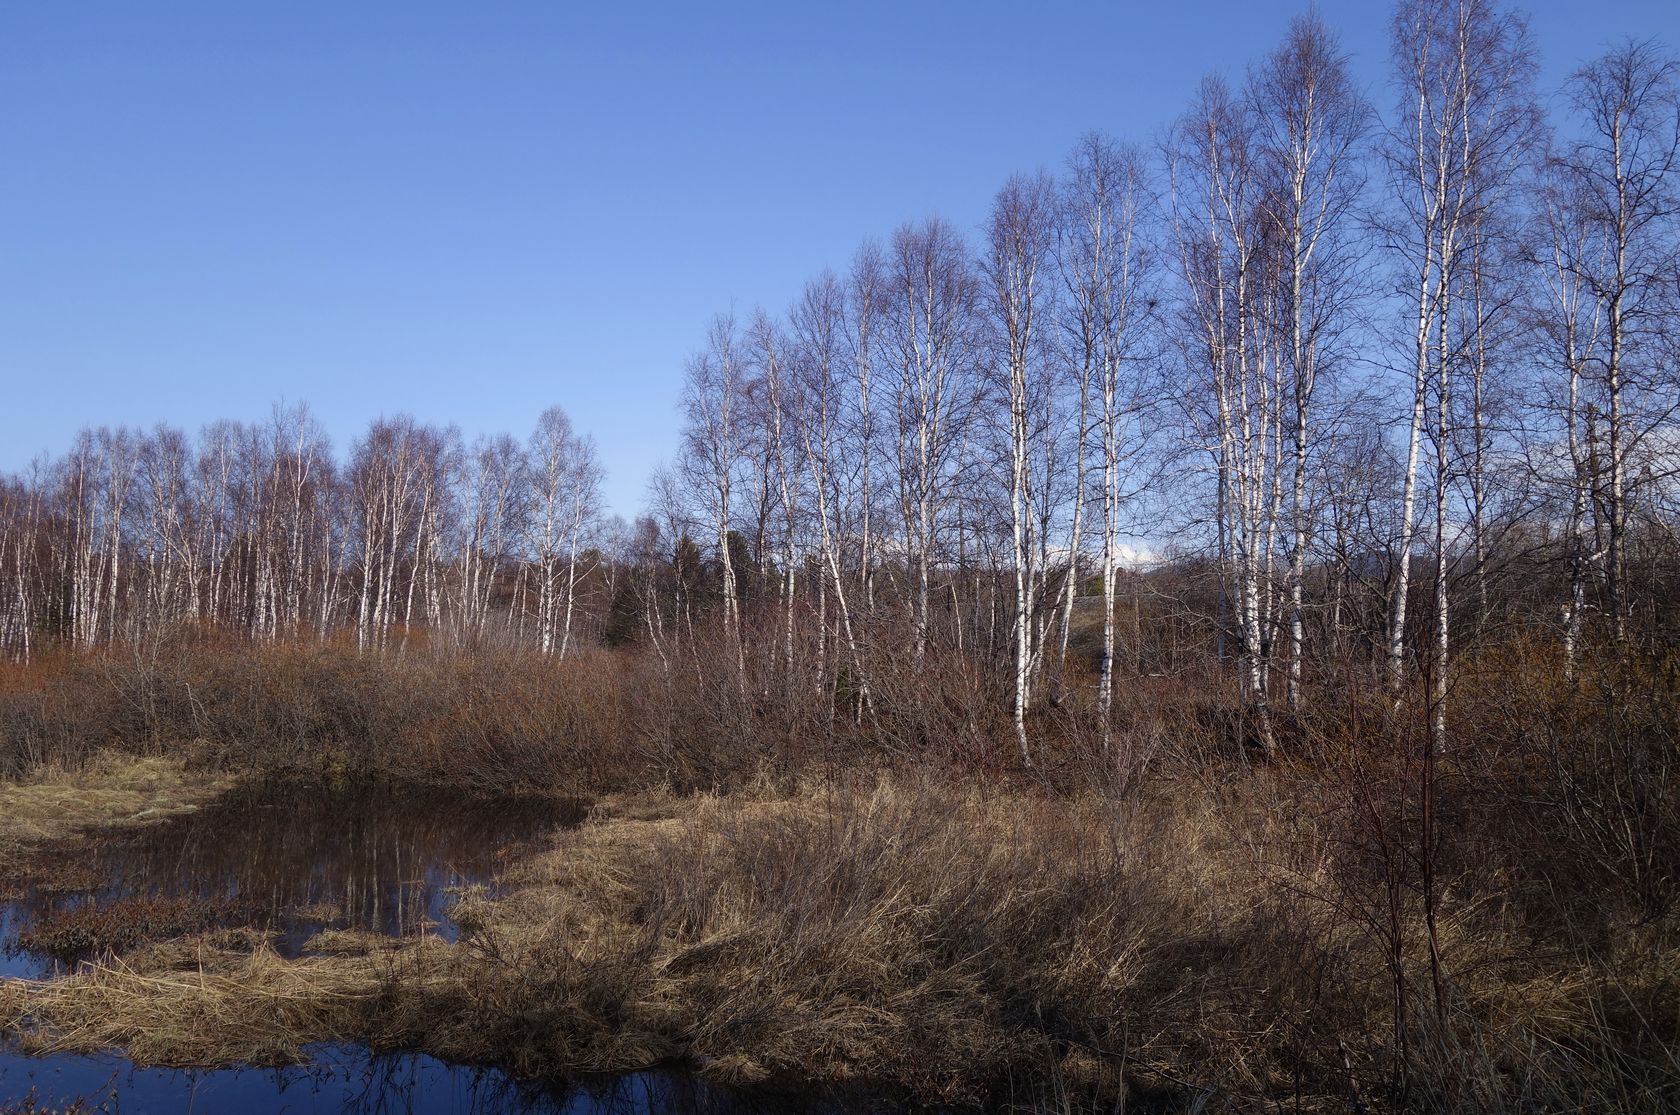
(293, 860)
(349, 1080)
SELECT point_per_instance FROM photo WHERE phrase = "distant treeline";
(260, 529)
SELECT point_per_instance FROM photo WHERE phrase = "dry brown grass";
(192, 1004)
(933, 938)
(349, 942)
(112, 790)
(32, 1104)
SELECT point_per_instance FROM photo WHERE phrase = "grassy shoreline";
(110, 791)
(631, 941)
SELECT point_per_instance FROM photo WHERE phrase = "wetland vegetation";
(1212, 928)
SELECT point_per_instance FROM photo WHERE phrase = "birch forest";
(1308, 391)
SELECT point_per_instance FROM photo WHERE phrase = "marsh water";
(350, 1080)
(292, 860)
(289, 859)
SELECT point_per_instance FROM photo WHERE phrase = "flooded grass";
(90, 929)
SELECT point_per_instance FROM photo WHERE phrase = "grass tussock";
(938, 938)
(90, 929)
(192, 1003)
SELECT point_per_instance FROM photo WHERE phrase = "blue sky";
(473, 211)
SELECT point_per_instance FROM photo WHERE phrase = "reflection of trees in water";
(365, 848)
(300, 857)
(393, 1082)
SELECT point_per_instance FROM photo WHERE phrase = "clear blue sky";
(471, 211)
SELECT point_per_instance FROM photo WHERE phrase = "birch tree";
(1228, 272)
(567, 488)
(1463, 68)
(498, 501)
(930, 318)
(819, 324)
(1568, 319)
(1104, 270)
(1311, 127)
(784, 473)
(866, 291)
(1621, 183)
(715, 439)
(1021, 235)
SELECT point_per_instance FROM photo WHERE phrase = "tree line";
(258, 528)
(1305, 386)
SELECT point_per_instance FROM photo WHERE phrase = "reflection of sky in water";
(14, 965)
(348, 1079)
(302, 858)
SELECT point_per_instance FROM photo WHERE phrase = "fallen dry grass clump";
(190, 1003)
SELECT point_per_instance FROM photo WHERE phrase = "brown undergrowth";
(1354, 923)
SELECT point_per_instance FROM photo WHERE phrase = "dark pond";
(291, 859)
(349, 1079)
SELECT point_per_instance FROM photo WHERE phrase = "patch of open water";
(290, 858)
(350, 1080)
